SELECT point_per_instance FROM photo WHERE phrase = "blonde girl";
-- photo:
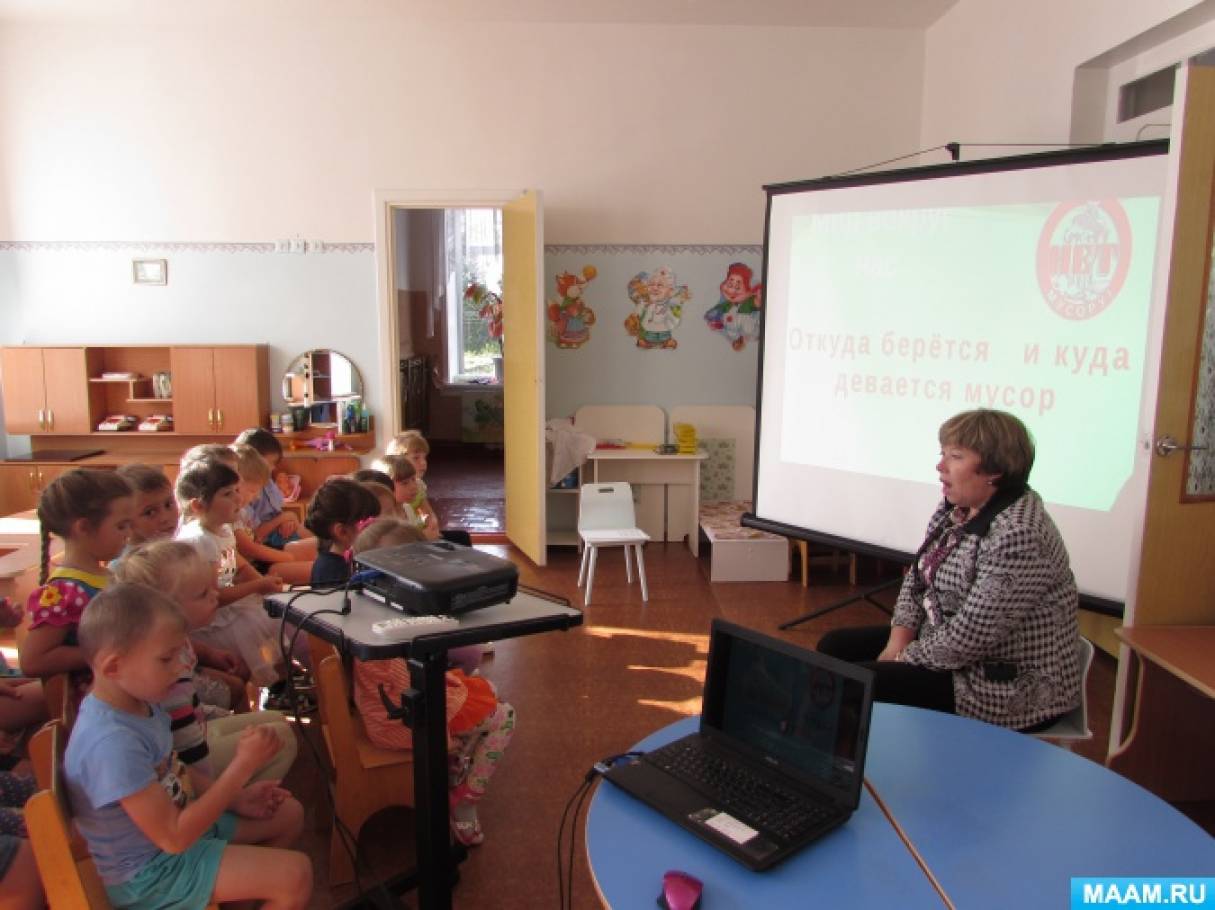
(413, 445)
(91, 512)
(207, 746)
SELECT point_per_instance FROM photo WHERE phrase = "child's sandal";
(468, 833)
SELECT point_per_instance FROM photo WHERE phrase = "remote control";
(412, 626)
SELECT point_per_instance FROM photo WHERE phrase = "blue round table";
(1001, 819)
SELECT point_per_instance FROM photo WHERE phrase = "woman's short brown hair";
(1002, 441)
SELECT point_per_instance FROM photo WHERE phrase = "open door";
(1175, 583)
(523, 370)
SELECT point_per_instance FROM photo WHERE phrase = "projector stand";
(866, 595)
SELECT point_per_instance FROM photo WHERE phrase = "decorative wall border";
(654, 249)
(177, 246)
(140, 246)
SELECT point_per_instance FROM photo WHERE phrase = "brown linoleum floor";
(594, 691)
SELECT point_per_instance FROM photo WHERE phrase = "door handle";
(1167, 445)
(41, 419)
(33, 483)
(50, 419)
(219, 419)
(211, 418)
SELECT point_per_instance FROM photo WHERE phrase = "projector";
(437, 577)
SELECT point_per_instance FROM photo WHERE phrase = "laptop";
(779, 758)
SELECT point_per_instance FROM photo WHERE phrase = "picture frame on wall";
(150, 271)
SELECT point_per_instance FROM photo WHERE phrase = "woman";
(985, 623)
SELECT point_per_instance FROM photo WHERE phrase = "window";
(473, 252)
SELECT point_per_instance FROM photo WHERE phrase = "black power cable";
(565, 877)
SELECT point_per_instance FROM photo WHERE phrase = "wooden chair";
(805, 557)
(68, 875)
(366, 778)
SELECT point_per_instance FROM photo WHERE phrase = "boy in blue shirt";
(151, 846)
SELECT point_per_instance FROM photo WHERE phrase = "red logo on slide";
(1084, 253)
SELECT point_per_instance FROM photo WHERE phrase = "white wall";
(293, 303)
(1003, 72)
(208, 126)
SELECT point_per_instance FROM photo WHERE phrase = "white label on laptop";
(730, 827)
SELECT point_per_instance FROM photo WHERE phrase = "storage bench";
(738, 553)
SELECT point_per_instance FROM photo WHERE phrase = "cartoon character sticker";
(736, 314)
(657, 308)
(570, 319)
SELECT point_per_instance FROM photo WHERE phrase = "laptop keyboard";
(754, 799)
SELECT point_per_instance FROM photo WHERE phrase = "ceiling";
(788, 13)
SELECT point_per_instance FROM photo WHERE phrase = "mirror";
(319, 380)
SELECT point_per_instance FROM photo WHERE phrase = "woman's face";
(962, 483)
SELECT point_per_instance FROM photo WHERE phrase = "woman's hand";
(900, 638)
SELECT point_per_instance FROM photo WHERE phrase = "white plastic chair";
(1072, 727)
(606, 519)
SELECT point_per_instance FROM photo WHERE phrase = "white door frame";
(385, 266)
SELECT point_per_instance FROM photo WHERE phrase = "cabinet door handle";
(41, 420)
(211, 418)
(33, 483)
(50, 419)
(219, 420)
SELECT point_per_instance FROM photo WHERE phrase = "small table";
(862, 864)
(527, 613)
(1170, 746)
(672, 516)
(1005, 820)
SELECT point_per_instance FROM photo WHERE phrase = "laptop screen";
(799, 710)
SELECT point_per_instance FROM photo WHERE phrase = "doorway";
(447, 295)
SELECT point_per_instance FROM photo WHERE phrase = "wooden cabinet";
(219, 390)
(22, 483)
(45, 390)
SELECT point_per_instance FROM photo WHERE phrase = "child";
(403, 475)
(268, 522)
(176, 568)
(156, 512)
(254, 474)
(91, 511)
(224, 674)
(208, 493)
(389, 507)
(479, 726)
(335, 515)
(413, 445)
(151, 847)
(380, 483)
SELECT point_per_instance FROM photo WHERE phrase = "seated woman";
(985, 623)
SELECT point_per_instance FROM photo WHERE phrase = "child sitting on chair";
(414, 446)
(151, 846)
(478, 725)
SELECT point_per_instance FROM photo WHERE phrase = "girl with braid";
(91, 511)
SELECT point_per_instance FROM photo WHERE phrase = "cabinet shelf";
(149, 400)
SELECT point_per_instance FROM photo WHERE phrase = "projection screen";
(895, 300)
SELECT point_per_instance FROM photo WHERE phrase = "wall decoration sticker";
(657, 308)
(736, 314)
(570, 318)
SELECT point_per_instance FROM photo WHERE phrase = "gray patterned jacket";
(1006, 595)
